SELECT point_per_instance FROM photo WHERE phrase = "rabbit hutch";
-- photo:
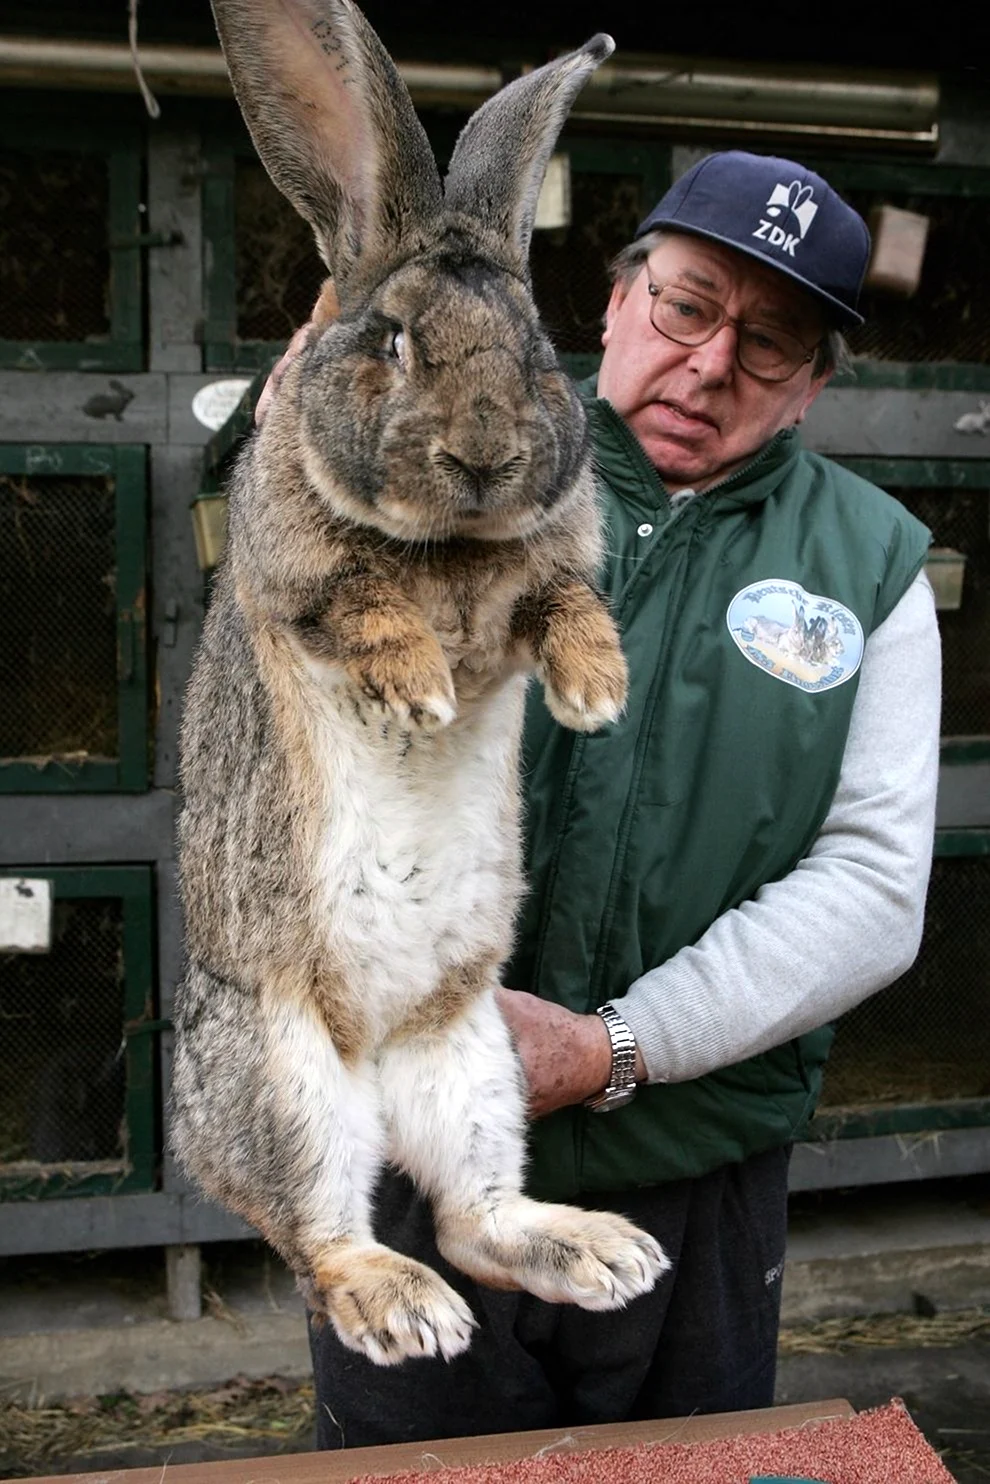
(149, 276)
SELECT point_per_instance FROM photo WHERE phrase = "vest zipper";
(611, 419)
(605, 929)
(622, 842)
(634, 452)
(747, 469)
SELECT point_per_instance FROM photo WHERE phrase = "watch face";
(610, 1100)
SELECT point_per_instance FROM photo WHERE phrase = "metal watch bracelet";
(621, 1087)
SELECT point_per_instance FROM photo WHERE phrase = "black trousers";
(704, 1340)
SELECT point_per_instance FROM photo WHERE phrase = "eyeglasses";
(691, 319)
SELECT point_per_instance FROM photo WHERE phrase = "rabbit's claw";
(578, 655)
(586, 688)
(390, 1308)
(414, 688)
(595, 1259)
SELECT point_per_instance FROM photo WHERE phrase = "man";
(741, 859)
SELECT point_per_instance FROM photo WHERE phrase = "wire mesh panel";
(71, 589)
(960, 519)
(75, 1113)
(62, 1088)
(58, 665)
(925, 1039)
(263, 273)
(54, 253)
(277, 270)
(570, 266)
(70, 263)
(948, 319)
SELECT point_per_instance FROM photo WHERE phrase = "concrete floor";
(92, 1324)
(947, 1392)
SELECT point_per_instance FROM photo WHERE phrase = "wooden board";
(358, 1463)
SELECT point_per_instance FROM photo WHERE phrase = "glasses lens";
(770, 353)
(683, 316)
(691, 319)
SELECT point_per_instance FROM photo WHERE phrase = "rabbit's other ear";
(335, 128)
(501, 157)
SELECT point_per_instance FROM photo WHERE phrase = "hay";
(856, 1079)
(268, 1416)
(274, 1416)
(887, 1332)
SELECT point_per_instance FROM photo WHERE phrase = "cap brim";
(846, 318)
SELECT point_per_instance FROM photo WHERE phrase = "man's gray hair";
(831, 355)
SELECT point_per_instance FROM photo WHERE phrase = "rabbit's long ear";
(335, 128)
(502, 154)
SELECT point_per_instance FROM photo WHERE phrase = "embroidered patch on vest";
(798, 637)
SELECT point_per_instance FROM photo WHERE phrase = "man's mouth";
(687, 415)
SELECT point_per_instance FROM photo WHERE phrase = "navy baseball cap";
(780, 213)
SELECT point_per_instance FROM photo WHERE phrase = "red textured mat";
(879, 1447)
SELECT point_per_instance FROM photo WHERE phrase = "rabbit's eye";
(397, 344)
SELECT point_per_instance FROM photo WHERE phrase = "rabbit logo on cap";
(794, 201)
(722, 194)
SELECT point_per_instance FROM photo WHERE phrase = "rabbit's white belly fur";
(418, 868)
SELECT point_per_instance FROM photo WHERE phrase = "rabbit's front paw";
(390, 1308)
(408, 679)
(561, 1254)
(584, 673)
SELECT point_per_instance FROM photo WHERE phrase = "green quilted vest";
(743, 616)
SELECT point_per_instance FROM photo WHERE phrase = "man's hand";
(325, 309)
(566, 1057)
(295, 345)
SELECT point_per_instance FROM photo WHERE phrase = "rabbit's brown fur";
(412, 529)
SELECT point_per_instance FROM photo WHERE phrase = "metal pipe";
(27, 61)
(765, 94)
(658, 92)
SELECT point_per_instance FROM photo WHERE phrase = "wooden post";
(182, 1277)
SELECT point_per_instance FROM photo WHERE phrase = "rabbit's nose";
(477, 482)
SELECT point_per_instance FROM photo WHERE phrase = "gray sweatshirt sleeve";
(847, 920)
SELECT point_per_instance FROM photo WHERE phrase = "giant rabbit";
(412, 530)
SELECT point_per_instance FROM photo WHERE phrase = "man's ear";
(818, 384)
(620, 289)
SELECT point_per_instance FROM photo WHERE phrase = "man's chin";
(679, 468)
(684, 467)
(677, 456)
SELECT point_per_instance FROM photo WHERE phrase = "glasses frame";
(656, 289)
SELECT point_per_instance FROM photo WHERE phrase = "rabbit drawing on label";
(413, 530)
(974, 422)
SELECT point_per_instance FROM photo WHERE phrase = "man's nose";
(715, 360)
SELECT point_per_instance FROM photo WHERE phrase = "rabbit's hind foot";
(594, 1259)
(388, 1307)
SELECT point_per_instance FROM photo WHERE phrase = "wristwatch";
(621, 1087)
